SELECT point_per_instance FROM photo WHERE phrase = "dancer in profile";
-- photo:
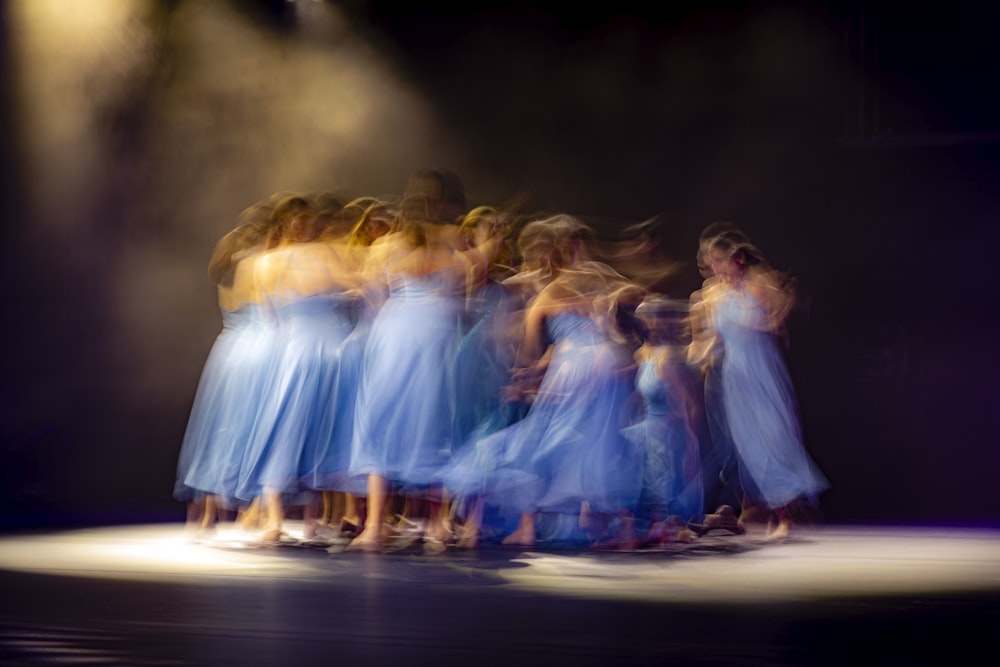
(746, 304)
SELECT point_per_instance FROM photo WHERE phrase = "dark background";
(858, 144)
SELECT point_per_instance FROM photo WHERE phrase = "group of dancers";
(385, 364)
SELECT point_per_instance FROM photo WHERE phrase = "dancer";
(232, 380)
(485, 352)
(567, 455)
(719, 460)
(295, 447)
(746, 303)
(403, 415)
(672, 490)
(370, 219)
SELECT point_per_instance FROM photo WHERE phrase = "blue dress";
(760, 405)
(403, 413)
(297, 442)
(719, 460)
(672, 483)
(569, 447)
(229, 396)
(482, 362)
(337, 477)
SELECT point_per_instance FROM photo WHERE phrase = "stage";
(152, 595)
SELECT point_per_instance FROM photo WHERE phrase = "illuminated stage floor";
(144, 595)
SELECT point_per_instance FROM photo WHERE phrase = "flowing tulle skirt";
(294, 437)
(403, 414)
(567, 449)
(762, 413)
(671, 478)
(481, 371)
(672, 483)
(230, 393)
(331, 462)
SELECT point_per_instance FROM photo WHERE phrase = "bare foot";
(750, 514)
(433, 546)
(752, 522)
(780, 532)
(687, 536)
(658, 534)
(271, 536)
(520, 538)
(469, 539)
(198, 535)
(725, 519)
(402, 524)
(250, 519)
(439, 532)
(310, 530)
(368, 540)
(320, 533)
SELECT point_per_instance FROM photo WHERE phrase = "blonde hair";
(360, 214)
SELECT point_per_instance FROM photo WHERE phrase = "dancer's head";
(369, 218)
(441, 193)
(293, 219)
(480, 224)
(715, 229)
(730, 254)
(664, 320)
(553, 243)
(330, 222)
(479, 218)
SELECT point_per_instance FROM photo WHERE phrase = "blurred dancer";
(403, 416)
(443, 191)
(672, 485)
(567, 455)
(485, 352)
(370, 219)
(746, 303)
(233, 378)
(297, 445)
(719, 460)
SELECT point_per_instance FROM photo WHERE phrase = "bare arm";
(776, 299)
(703, 336)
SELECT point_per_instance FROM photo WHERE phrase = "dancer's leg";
(473, 522)
(524, 535)
(274, 515)
(211, 514)
(371, 535)
(783, 525)
(311, 513)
